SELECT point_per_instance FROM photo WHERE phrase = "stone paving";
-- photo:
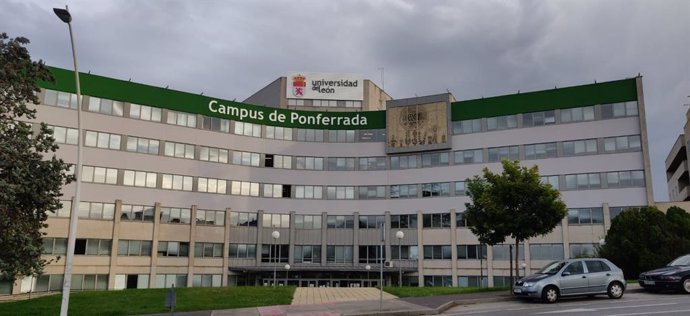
(324, 295)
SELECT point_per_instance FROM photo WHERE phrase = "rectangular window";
(577, 114)
(438, 220)
(137, 213)
(437, 252)
(371, 221)
(467, 126)
(339, 254)
(341, 164)
(340, 193)
(208, 250)
(340, 221)
(144, 112)
(176, 182)
(403, 162)
(435, 160)
(213, 154)
(552, 180)
(502, 252)
(209, 185)
(102, 140)
(244, 158)
(582, 250)
(308, 221)
(403, 191)
(277, 132)
(174, 215)
(404, 252)
(583, 181)
(625, 179)
(181, 119)
(242, 251)
(307, 254)
(247, 129)
(404, 221)
(469, 156)
(207, 280)
(540, 151)
(99, 175)
(580, 147)
(209, 217)
(546, 251)
(621, 109)
(64, 210)
(243, 219)
(372, 192)
(54, 246)
(309, 135)
(276, 220)
(372, 254)
(622, 143)
(471, 252)
(173, 249)
(92, 247)
(244, 188)
(586, 216)
(65, 135)
(538, 118)
(372, 163)
(497, 154)
(435, 189)
(106, 106)
(60, 99)
(275, 253)
(171, 280)
(308, 192)
(179, 150)
(309, 163)
(96, 210)
(460, 220)
(501, 122)
(134, 248)
(438, 280)
(215, 124)
(143, 145)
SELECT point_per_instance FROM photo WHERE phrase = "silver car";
(572, 277)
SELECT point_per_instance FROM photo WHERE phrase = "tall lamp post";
(368, 267)
(287, 270)
(66, 17)
(400, 236)
(275, 234)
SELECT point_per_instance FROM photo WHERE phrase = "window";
(209, 217)
(497, 154)
(242, 251)
(171, 280)
(577, 114)
(435, 189)
(339, 254)
(585, 216)
(213, 154)
(87, 282)
(247, 129)
(173, 249)
(625, 179)
(142, 145)
(245, 188)
(309, 163)
(137, 213)
(173, 215)
(582, 181)
(435, 160)
(538, 118)
(467, 126)
(92, 247)
(460, 220)
(502, 252)
(619, 109)
(540, 151)
(616, 210)
(340, 221)
(552, 180)
(277, 190)
(471, 252)
(341, 164)
(439, 220)
(403, 162)
(65, 135)
(243, 219)
(372, 163)
(622, 143)
(209, 185)
(340, 193)
(278, 161)
(207, 280)
(277, 132)
(403, 191)
(575, 268)
(501, 122)
(404, 221)
(580, 147)
(546, 251)
(245, 158)
(139, 179)
(469, 156)
(276, 220)
(179, 150)
(309, 135)
(460, 188)
(341, 136)
(60, 99)
(308, 221)
(307, 254)
(96, 210)
(144, 112)
(181, 119)
(438, 280)
(371, 221)
(134, 248)
(582, 250)
(437, 252)
(275, 253)
(64, 210)
(408, 252)
(308, 192)
(105, 106)
(215, 124)
(99, 175)
(54, 246)
(372, 254)
(470, 281)
(208, 250)
(594, 266)
(372, 192)
(176, 182)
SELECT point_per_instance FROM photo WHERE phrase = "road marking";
(650, 313)
(579, 310)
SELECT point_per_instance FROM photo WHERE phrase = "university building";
(328, 174)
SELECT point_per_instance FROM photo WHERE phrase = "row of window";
(324, 103)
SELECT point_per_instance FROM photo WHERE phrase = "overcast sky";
(231, 49)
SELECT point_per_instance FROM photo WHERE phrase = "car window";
(681, 261)
(552, 268)
(597, 266)
(575, 268)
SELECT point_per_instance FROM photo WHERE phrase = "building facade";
(191, 190)
(676, 164)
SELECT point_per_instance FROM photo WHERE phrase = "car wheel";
(550, 294)
(615, 290)
(686, 285)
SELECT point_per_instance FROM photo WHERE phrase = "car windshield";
(681, 261)
(552, 268)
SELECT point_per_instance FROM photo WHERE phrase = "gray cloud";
(230, 49)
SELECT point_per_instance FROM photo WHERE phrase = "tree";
(512, 204)
(642, 239)
(30, 175)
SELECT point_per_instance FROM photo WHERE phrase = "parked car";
(572, 277)
(674, 276)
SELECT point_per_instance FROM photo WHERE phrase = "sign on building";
(324, 86)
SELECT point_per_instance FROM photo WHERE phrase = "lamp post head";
(287, 267)
(523, 265)
(368, 267)
(275, 234)
(63, 14)
(602, 242)
(400, 234)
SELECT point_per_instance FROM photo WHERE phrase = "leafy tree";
(512, 204)
(30, 174)
(642, 239)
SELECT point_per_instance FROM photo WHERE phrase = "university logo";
(299, 83)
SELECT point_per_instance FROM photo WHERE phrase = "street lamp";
(275, 234)
(287, 270)
(66, 17)
(400, 236)
(524, 269)
(368, 267)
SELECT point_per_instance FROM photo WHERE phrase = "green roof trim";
(545, 100)
(127, 91)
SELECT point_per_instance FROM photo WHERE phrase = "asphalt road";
(640, 303)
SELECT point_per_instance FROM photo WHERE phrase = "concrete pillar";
(154, 243)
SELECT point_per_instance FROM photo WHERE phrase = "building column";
(114, 244)
(154, 244)
(226, 248)
(454, 247)
(192, 245)
(420, 248)
(355, 239)
(324, 238)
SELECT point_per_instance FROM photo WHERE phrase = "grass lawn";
(434, 291)
(148, 301)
